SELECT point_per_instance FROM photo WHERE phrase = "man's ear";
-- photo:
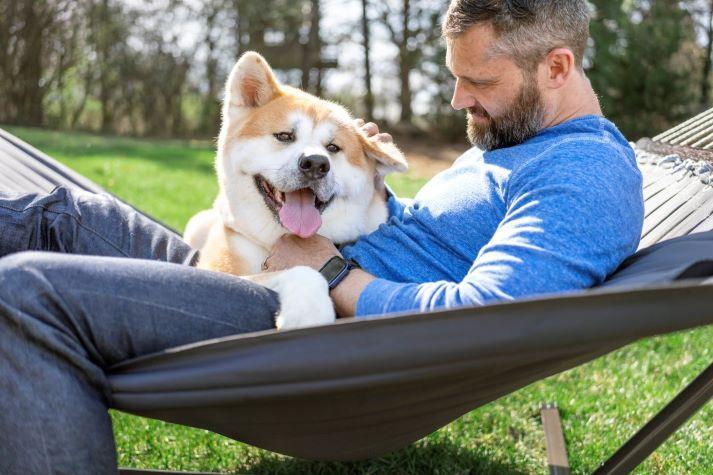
(251, 84)
(387, 156)
(560, 65)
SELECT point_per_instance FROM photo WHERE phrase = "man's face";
(503, 102)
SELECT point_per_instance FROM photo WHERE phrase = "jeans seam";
(76, 220)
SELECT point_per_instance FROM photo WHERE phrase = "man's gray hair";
(526, 29)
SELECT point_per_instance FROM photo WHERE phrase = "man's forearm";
(346, 294)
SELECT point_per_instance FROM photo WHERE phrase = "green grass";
(602, 402)
(169, 179)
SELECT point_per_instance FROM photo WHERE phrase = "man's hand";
(291, 251)
(372, 131)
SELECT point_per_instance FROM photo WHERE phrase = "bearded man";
(549, 200)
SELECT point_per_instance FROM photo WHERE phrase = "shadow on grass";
(435, 457)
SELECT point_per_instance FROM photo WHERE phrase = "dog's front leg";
(304, 297)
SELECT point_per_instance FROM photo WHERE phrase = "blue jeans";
(114, 286)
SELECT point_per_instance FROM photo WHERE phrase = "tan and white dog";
(288, 162)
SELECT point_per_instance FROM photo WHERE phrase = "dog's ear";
(387, 156)
(251, 84)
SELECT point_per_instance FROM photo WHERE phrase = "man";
(553, 204)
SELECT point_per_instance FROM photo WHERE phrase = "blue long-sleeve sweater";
(558, 212)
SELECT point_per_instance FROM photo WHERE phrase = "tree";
(412, 28)
(644, 52)
(109, 29)
(398, 26)
(28, 66)
(312, 51)
(369, 95)
(210, 113)
(706, 73)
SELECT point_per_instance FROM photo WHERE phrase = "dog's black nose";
(314, 166)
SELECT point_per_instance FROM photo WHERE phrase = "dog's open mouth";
(299, 211)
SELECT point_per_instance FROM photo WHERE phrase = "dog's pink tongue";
(298, 213)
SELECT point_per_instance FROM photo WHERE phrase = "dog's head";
(289, 161)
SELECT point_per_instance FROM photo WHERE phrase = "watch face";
(333, 268)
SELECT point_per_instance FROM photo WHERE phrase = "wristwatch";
(336, 269)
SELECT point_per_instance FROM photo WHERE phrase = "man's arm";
(346, 295)
(571, 219)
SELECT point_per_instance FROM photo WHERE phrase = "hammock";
(390, 381)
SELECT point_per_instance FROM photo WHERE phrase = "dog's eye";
(285, 136)
(332, 148)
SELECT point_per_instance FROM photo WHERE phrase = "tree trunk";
(103, 56)
(705, 80)
(67, 59)
(238, 29)
(317, 38)
(306, 66)
(77, 113)
(404, 67)
(210, 115)
(369, 96)
(8, 20)
(29, 93)
(312, 52)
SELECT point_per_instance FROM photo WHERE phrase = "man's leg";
(79, 222)
(65, 319)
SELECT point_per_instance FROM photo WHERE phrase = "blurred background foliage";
(157, 67)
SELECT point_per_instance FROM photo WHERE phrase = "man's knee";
(36, 221)
(23, 274)
(25, 260)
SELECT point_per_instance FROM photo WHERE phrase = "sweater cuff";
(378, 298)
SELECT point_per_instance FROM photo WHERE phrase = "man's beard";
(521, 121)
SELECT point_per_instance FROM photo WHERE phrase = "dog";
(288, 162)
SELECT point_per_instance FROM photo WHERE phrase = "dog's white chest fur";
(253, 254)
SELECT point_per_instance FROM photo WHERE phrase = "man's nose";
(461, 99)
(314, 166)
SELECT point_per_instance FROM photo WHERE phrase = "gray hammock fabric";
(359, 389)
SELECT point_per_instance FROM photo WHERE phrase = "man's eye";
(332, 148)
(285, 136)
(482, 84)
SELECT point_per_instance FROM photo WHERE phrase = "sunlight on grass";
(602, 403)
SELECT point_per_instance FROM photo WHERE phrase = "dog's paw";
(304, 298)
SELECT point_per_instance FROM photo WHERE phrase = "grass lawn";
(602, 402)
